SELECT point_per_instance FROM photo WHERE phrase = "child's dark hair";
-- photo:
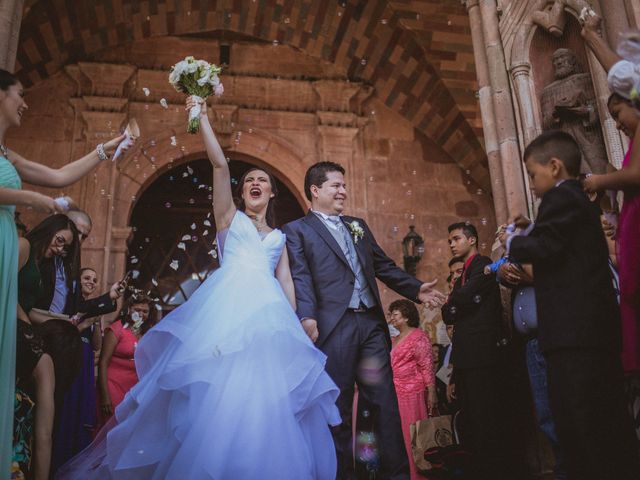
(617, 98)
(555, 144)
(317, 175)
(467, 229)
(7, 79)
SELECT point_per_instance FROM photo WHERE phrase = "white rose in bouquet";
(198, 78)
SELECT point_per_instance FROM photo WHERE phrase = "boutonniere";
(357, 232)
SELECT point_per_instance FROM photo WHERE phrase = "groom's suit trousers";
(358, 353)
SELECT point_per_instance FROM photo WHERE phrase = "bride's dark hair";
(270, 216)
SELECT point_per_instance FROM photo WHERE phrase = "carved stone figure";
(569, 104)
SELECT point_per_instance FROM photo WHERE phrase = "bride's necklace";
(4, 150)
(260, 225)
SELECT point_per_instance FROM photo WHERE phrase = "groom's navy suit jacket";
(324, 280)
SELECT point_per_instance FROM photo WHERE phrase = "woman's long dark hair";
(270, 216)
(7, 79)
(41, 236)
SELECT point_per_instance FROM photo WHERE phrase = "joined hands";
(431, 297)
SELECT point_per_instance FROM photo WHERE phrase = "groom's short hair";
(317, 175)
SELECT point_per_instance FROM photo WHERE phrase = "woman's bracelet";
(102, 155)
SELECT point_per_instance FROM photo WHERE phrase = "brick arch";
(258, 147)
(368, 39)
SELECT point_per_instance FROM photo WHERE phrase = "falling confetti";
(174, 264)
(146, 91)
(163, 102)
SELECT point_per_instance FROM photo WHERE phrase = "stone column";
(338, 127)
(102, 109)
(337, 145)
(615, 17)
(512, 168)
(616, 21)
(633, 12)
(101, 187)
(488, 114)
(10, 19)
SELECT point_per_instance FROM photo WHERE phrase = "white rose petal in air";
(182, 246)
(164, 103)
(174, 264)
(146, 91)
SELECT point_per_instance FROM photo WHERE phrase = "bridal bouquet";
(197, 78)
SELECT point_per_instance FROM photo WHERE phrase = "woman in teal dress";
(13, 168)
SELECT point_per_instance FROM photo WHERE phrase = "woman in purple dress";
(76, 421)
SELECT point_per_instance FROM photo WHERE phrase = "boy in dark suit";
(474, 307)
(578, 318)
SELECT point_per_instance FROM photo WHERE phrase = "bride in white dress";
(230, 387)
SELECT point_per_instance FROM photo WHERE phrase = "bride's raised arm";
(223, 207)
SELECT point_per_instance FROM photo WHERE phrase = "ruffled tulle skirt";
(230, 388)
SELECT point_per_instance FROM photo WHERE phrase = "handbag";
(436, 449)
(434, 432)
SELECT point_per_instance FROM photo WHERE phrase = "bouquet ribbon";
(194, 112)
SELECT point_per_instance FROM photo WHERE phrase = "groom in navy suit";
(335, 261)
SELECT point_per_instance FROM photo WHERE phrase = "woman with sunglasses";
(14, 169)
(56, 235)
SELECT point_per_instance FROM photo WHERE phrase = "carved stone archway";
(367, 39)
(525, 91)
(137, 172)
